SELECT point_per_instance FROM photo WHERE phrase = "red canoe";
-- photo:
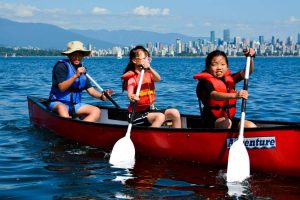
(273, 147)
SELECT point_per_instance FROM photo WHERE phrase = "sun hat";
(76, 46)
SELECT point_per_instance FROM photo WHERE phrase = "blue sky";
(247, 19)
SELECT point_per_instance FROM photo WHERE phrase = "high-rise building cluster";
(201, 47)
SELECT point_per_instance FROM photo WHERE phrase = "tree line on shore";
(5, 51)
(8, 52)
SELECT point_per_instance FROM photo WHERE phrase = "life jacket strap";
(146, 93)
(225, 107)
(74, 90)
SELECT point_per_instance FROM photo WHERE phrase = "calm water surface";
(36, 164)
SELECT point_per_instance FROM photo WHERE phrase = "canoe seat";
(116, 114)
(193, 122)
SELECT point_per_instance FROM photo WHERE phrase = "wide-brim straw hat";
(76, 46)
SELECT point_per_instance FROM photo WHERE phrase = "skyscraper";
(261, 39)
(212, 37)
(178, 46)
(273, 41)
(289, 40)
(90, 46)
(149, 46)
(226, 35)
(237, 41)
(245, 42)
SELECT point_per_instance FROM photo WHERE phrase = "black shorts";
(209, 122)
(140, 118)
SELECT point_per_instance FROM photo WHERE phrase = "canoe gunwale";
(277, 125)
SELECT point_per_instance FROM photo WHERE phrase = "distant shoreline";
(126, 57)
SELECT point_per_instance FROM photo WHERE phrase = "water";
(36, 164)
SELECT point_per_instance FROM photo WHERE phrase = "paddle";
(103, 91)
(238, 168)
(123, 153)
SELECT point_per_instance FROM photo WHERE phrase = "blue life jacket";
(73, 94)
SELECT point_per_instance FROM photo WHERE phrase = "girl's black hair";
(213, 54)
(133, 54)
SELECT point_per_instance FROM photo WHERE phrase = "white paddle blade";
(123, 153)
(238, 168)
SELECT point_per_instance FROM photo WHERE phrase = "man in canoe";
(216, 90)
(147, 114)
(68, 82)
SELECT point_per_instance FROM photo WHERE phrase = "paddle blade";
(123, 153)
(238, 168)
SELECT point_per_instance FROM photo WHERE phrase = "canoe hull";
(272, 149)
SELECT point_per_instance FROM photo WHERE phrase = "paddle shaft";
(123, 152)
(238, 167)
(244, 101)
(103, 91)
(135, 102)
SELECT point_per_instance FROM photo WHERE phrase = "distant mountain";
(134, 37)
(43, 36)
(46, 36)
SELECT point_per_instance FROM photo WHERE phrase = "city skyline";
(232, 46)
(190, 17)
(201, 47)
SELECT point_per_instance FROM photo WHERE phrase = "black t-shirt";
(204, 88)
(60, 73)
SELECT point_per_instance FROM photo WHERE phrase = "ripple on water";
(36, 164)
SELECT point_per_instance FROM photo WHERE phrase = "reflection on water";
(61, 169)
(36, 164)
(238, 189)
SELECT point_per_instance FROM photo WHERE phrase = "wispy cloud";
(11, 10)
(190, 25)
(142, 10)
(18, 10)
(293, 20)
(207, 24)
(100, 11)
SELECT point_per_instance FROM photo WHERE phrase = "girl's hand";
(242, 94)
(133, 97)
(249, 51)
(146, 62)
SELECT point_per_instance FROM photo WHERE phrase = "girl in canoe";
(146, 113)
(216, 91)
(68, 82)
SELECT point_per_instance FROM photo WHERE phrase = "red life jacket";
(219, 108)
(147, 92)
